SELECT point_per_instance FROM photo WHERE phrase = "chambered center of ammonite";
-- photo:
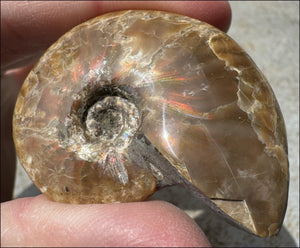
(106, 123)
(112, 119)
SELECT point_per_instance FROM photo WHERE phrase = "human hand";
(27, 29)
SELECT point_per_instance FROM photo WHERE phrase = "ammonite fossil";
(133, 101)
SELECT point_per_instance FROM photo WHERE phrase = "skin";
(27, 29)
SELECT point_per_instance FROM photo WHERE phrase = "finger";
(18, 75)
(28, 28)
(39, 222)
(9, 92)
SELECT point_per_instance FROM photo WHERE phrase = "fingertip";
(216, 13)
(223, 16)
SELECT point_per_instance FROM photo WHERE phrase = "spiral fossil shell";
(133, 101)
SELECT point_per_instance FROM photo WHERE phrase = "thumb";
(37, 221)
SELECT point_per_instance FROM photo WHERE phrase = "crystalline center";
(104, 123)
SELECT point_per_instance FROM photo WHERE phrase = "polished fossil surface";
(133, 101)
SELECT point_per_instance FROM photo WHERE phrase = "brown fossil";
(133, 101)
